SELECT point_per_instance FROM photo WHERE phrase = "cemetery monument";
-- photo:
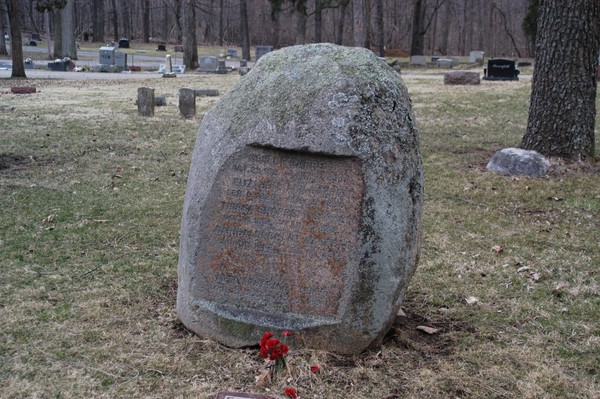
(303, 204)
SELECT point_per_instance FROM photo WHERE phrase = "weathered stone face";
(303, 205)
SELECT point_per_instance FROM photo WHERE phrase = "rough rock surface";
(461, 78)
(518, 162)
(303, 204)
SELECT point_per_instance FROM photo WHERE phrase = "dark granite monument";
(303, 204)
(501, 69)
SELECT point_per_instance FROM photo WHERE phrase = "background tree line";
(423, 27)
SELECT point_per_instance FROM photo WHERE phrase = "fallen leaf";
(471, 300)
(264, 379)
(497, 249)
(536, 276)
(428, 330)
(400, 313)
(522, 269)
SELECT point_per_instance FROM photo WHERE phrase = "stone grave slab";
(303, 204)
(462, 78)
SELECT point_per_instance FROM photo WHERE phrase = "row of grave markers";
(146, 100)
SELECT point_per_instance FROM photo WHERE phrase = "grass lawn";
(91, 197)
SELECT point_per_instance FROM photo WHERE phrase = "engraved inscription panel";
(279, 231)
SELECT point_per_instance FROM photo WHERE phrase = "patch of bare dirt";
(560, 167)
(8, 161)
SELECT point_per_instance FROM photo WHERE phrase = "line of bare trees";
(420, 27)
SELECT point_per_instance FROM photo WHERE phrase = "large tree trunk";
(417, 45)
(245, 36)
(16, 45)
(69, 46)
(3, 49)
(359, 31)
(562, 109)
(190, 48)
(446, 23)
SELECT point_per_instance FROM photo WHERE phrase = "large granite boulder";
(303, 204)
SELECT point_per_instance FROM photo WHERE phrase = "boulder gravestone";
(518, 162)
(303, 204)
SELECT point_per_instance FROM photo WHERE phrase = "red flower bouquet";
(273, 349)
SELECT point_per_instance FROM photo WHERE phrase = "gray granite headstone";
(418, 60)
(303, 203)
(476, 56)
(208, 63)
(518, 162)
(145, 101)
(187, 103)
(262, 50)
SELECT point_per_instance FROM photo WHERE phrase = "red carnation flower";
(314, 368)
(291, 392)
(286, 333)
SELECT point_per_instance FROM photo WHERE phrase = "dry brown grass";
(91, 196)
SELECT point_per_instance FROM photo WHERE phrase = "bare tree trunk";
(221, 24)
(318, 21)
(98, 20)
(446, 27)
(359, 34)
(244, 30)
(146, 21)
(380, 28)
(190, 48)
(562, 109)
(57, 34)
(125, 16)
(417, 45)
(340, 25)
(178, 27)
(68, 44)
(165, 23)
(276, 30)
(16, 45)
(115, 20)
(301, 28)
(3, 49)
(48, 36)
